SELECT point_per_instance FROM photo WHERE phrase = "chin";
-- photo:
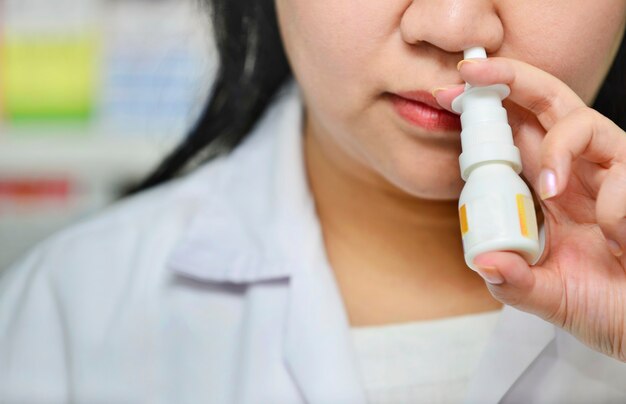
(432, 175)
(429, 184)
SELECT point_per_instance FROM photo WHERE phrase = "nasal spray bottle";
(496, 208)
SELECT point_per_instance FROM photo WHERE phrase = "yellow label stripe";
(522, 214)
(463, 215)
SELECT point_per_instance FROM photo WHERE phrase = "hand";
(575, 159)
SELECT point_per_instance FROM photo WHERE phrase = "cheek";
(590, 53)
(331, 43)
(576, 46)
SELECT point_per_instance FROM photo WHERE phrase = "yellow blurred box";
(49, 77)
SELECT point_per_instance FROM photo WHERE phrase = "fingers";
(534, 89)
(611, 208)
(583, 133)
(535, 290)
(573, 129)
(445, 95)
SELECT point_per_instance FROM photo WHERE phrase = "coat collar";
(257, 197)
(518, 339)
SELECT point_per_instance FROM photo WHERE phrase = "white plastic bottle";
(496, 209)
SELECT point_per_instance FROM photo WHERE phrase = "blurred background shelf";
(96, 157)
(48, 181)
(93, 94)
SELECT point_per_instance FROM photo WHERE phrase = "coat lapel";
(316, 348)
(317, 342)
(518, 339)
(264, 227)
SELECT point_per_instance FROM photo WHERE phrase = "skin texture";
(386, 191)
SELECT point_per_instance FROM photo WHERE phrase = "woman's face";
(349, 55)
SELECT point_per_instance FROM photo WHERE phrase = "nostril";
(452, 25)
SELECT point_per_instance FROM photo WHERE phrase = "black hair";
(253, 66)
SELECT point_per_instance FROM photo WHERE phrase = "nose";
(453, 25)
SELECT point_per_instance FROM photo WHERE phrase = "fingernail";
(458, 66)
(490, 274)
(547, 184)
(614, 247)
(437, 89)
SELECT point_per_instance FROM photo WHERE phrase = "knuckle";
(582, 116)
(609, 218)
(607, 209)
(619, 171)
(554, 145)
(584, 112)
(540, 104)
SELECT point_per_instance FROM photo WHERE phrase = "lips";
(421, 109)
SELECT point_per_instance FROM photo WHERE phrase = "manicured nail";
(490, 274)
(615, 248)
(458, 66)
(437, 89)
(547, 183)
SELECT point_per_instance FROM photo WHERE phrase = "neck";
(396, 257)
(366, 211)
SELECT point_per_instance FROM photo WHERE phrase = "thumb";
(513, 282)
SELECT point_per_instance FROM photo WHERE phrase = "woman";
(274, 273)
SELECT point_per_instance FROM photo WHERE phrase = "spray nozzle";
(501, 90)
(486, 134)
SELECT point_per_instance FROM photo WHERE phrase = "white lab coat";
(215, 288)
